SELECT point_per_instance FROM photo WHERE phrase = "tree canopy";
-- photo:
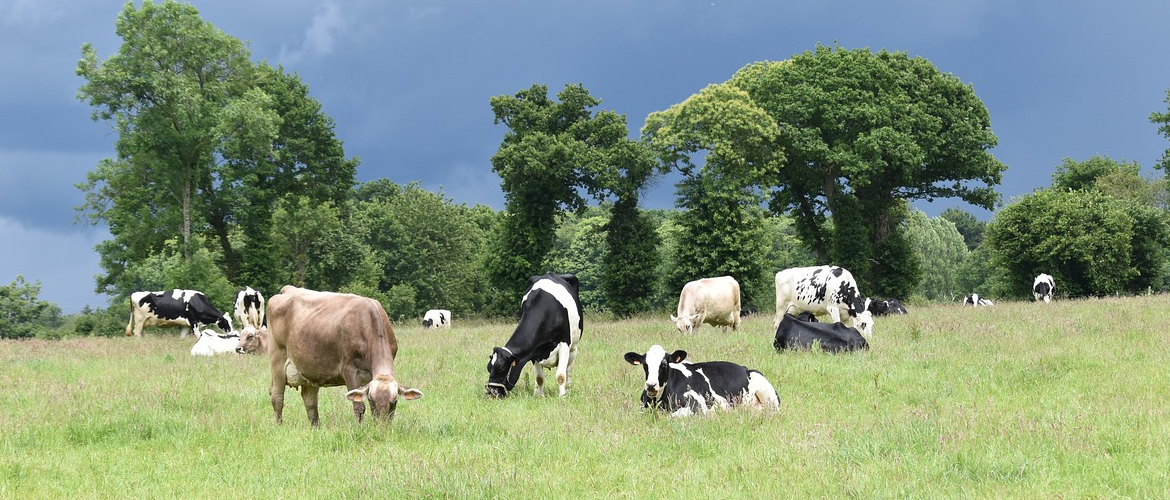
(864, 132)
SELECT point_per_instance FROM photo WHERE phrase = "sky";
(408, 84)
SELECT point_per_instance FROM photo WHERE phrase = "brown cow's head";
(382, 393)
(253, 341)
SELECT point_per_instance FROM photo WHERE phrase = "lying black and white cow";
(975, 301)
(551, 321)
(211, 343)
(821, 290)
(884, 307)
(684, 388)
(437, 318)
(188, 309)
(249, 308)
(795, 333)
(1042, 287)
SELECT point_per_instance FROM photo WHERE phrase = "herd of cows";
(323, 339)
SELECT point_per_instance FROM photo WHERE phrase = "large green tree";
(721, 218)
(1084, 239)
(940, 246)
(863, 132)
(207, 143)
(554, 153)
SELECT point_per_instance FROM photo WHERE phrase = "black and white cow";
(821, 290)
(188, 309)
(795, 333)
(684, 388)
(211, 343)
(1042, 288)
(437, 318)
(249, 308)
(884, 307)
(551, 320)
(974, 300)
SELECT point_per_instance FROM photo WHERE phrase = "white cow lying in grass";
(211, 343)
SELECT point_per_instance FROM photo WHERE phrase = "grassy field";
(1019, 400)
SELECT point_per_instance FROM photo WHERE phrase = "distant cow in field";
(714, 301)
(821, 290)
(1042, 288)
(974, 300)
(326, 339)
(211, 343)
(249, 308)
(684, 388)
(187, 309)
(551, 321)
(884, 307)
(437, 318)
(793, 333)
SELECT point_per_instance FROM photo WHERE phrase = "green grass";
(1019, 400)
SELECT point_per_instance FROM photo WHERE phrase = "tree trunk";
(187, 215)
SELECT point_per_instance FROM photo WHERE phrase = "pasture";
(1019, 400)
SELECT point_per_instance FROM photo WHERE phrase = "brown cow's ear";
(356, 395)
(409, 394)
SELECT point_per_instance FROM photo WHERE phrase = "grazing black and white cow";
(211, 343)
(684, 388)
(974, 300)
(1042, 287)
(551, 320)
(437, 318)
(821, 290)
(249, 308)
(795, 333)
(188, 309)
(884, 307)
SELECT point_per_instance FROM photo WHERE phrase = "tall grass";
(1018, 400)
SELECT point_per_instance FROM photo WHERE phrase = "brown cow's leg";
(276, 360)
(309, 395)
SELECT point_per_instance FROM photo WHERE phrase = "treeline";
(229, 174)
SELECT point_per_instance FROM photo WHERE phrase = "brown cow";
(325, 339)
(253, 341)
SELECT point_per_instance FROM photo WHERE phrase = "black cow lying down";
(832, 337)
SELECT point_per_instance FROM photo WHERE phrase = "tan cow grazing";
(326, 339)
(714, 301)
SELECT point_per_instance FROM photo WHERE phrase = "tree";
(722, 222)
(863, 133)
(967, 225)
(942, 250)
(21, 312)
(422, 240)
(208, 143)
(553, 153)
(1082, 238)
(1163, 120)
(1074, 175)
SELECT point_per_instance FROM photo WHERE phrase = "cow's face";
(252, 341)
(500, 366)
(224, 323)
(656, 365)
(685, 324)
(864, 323)
(382, 393)
(427, 323)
